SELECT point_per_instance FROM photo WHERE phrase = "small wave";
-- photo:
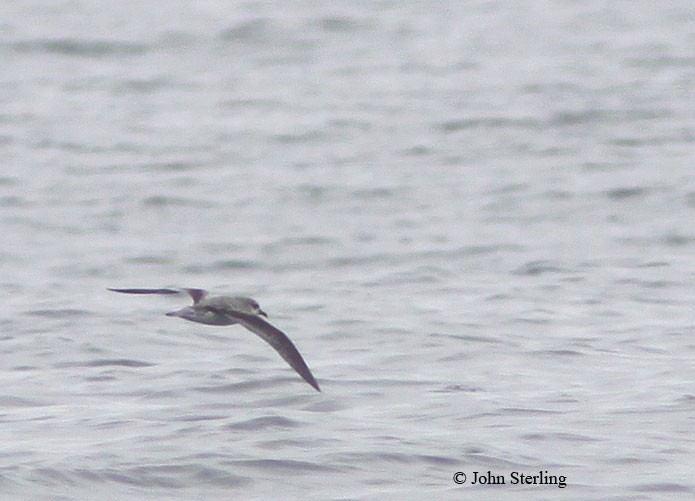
(621, 193)
(663, 487)
(561, 353)
(488, 122)
(534, 268)
(57, 313)
(12, 401)
(107, 362)
(264, 422)
(277, 465)
(249, 30)
(167, 201)
(341, 24)
(75, 47)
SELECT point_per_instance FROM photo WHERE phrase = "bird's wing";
(196, 294)
(278, 340)
(146, 291)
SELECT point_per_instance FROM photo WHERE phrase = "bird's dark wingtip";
(309, 378)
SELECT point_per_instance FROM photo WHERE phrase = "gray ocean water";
(475, 220)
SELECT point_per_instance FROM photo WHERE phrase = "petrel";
(230, 310)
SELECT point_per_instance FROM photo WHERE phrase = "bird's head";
(256, 308)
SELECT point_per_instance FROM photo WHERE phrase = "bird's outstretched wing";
(278, 340)
(196, 294)
(147, 291)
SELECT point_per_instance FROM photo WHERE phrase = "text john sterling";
(513, 478)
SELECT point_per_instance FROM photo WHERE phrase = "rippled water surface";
(475, 220)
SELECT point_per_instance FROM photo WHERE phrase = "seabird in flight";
(230, 310)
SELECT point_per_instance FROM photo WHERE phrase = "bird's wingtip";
(313, 384)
